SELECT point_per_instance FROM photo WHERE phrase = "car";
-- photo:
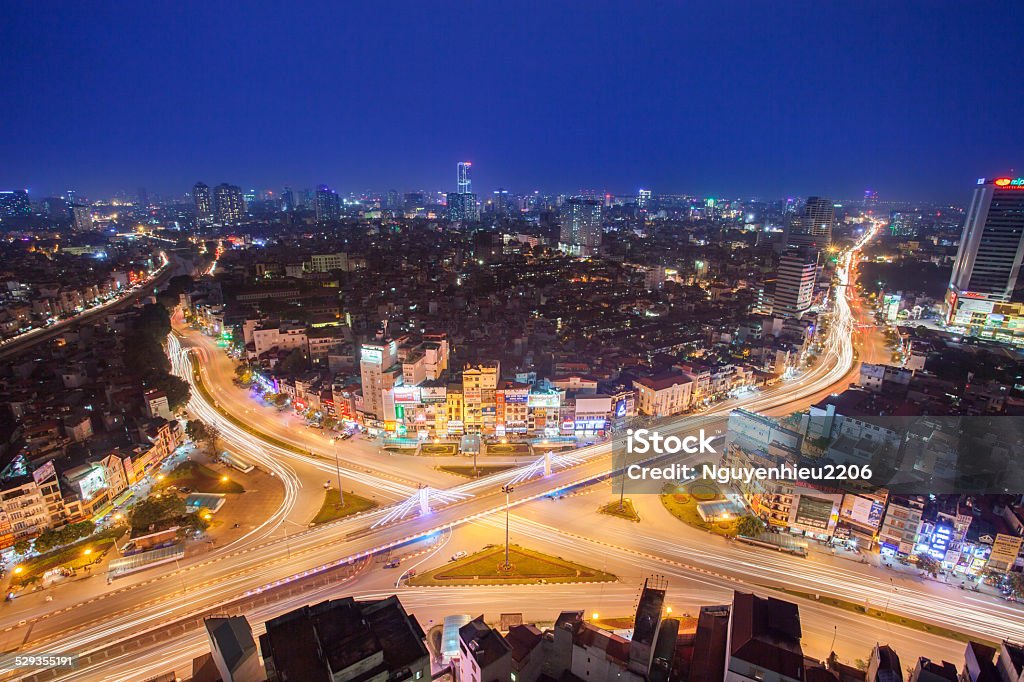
(185, 489)
(411, 573)
(394, 563)
(457, 556)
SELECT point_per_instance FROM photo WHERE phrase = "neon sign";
(1009, 183)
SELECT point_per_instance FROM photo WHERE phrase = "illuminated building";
(794, 284)
(380, 372)
(83, 218)
(328, 204)
(15, 203)
(981, 288)
(815, 225)
(464, 180)
(462, 205)
(904, 224)
(228, 206)
(581, 227)
(479, 383)
(643, 198)
(203, 203)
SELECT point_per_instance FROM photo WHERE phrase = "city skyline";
(585, 103)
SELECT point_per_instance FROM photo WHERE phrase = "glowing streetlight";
(223, 479)
(595, 615)
(87, 551)
(18, 570)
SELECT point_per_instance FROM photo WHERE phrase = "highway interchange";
(280, 555)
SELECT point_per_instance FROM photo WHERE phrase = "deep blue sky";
(758, 98)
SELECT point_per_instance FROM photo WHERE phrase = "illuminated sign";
(517, 395)
(407, 395)
(374, 355)
(547, 400)
(1009, 183)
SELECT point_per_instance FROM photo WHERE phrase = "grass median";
(527, 567)
(623, 510)
(331, 510)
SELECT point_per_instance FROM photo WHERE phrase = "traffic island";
(526, 567)
(469, 472)
(622, 510)
(683, 502)
(332, 510)
(203, 479)
(71, 558)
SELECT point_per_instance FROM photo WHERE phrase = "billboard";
(374, 355)
(517, 395)
(44, 473)
(433, 394)
(863, 511)
(814, 513)
(547, 400)
(407, 395)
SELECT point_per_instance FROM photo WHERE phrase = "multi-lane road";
(262, 564)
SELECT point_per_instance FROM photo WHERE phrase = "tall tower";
(204, 207)
(228, 205)
(815, 225)
(794, 283)
(464, 180)
(990, 254)
(581, 227)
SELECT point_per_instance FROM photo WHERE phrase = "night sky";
(761, 99)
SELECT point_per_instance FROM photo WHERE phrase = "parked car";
(457, 556)
(394, 563)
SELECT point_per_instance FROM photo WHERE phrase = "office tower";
(989, 258)
(56, 207)
(287, 200)
(464, 180)
(581, 227)
(328, 204)
(228, 205)
(379, 371)
(15, 203)
(83, 218)
(393, 201)
(643, 198)
(794, 284)
(250, 197)
(904, 224)
(204, 206)
(814, 228)
(143, 197)
(500, 205)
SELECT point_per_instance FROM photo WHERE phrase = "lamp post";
(507, 489)
(337, 471)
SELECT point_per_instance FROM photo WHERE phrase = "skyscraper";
(462, 205)
(15, 203)
(581, 227)
(228, 206)
(83, 218)
(988, 261)
(204, 206)
(464, 180)
(328, 204)
(815, 225)
(794, 284)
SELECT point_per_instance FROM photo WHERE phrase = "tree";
(177, 390)
(928, 564)
(329, 422)
(281, 399)
(196, 430)
(750, 526)
(156, 511)
(1016, 583)
(295, 362)
(22, 546)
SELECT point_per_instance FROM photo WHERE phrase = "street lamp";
(507, 489)
(337, 471)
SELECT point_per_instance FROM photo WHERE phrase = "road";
(263, 564)
(23, 342)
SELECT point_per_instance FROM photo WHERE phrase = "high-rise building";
(328, 204)
(287, 200)
(380, 371)
(228, 205)
(83, 218)
(904, 223)
(870, 199)
(581, 227)
(987, 266)
(15, 203)
(500, 202)
(643, 198)
(794, 284)
(203, 203)
(464, 180)
(143, 197)
(815, 225)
